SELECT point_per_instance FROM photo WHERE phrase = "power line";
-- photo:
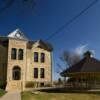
(71, 20)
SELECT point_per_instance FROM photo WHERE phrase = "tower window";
(20, 54)
(13, 53)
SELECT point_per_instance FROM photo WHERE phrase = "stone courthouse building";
(23, 61)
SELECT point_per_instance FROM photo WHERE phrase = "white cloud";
(81, 49)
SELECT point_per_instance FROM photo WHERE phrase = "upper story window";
(13, 53)
(42, 73)
(42, 57)
(20, 54)
(35, 56)
(35, 72)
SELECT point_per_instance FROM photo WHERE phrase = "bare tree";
(69, 58)
(9, 3)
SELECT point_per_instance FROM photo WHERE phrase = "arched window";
(20, 54)
(13, 53)
(16, 73)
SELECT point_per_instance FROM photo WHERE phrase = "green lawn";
(60, 96)
(2, 92)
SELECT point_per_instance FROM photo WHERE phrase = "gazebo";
(85, 74)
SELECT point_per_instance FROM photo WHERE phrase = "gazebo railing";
(83, 85)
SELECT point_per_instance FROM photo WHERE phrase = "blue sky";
(51, 15)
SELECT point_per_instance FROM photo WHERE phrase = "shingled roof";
(87, 64)
(41, 44)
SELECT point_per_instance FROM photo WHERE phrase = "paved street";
(14, 95)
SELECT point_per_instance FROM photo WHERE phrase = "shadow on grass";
(68, 90)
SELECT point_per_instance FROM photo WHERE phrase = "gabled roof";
(45, 45)
(17, 34)
(87, 64)
(40, 44)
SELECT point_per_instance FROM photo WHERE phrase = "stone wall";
(13, 84)
(47, 65)
(3, 62)
(27, 65)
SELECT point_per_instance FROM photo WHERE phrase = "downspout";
(51, 66)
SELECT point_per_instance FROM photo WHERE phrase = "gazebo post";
(86, 80)
(75, 82)
(81, 81)
(94, 81)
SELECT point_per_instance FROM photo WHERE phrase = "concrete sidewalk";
(13, 95)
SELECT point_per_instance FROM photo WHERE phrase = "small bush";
(30, 84)
(48, 85)
(2, 84)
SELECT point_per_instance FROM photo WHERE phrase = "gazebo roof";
(87, 64)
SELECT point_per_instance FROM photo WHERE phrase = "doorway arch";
(16, 73)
